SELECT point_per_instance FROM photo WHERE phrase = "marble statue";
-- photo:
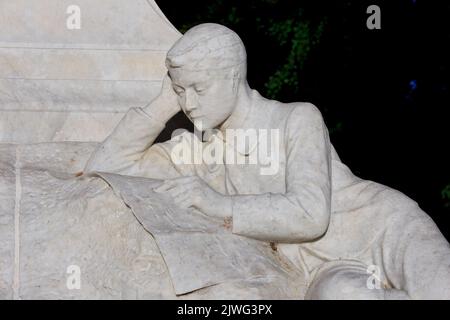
(64, 235)
(350, 238)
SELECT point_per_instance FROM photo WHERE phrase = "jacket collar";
(242, 118)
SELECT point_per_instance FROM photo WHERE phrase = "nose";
(191, 100)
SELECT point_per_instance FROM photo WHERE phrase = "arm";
(128, 148)
(303, 212)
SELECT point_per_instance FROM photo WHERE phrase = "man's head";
(207, 66)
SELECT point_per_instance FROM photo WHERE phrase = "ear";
(235, 75)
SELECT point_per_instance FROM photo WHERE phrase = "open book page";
(198, 250)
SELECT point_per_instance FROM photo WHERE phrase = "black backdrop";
(384, 93)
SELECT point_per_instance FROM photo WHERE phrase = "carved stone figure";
(352, 238)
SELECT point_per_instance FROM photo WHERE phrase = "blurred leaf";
(445, 193)
(300, 36)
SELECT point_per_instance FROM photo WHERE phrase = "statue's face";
(207, 97)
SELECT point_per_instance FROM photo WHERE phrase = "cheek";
(219, 96)
(218, 101)
(229, 98)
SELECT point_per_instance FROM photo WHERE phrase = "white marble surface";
(199, 252)
(63, 221)
(50, 220)
(7, 206)
(58, 84)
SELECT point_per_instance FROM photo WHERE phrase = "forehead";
(186, 77)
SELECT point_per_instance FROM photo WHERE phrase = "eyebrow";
(202, 84)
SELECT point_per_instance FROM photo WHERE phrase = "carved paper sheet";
(198, 250)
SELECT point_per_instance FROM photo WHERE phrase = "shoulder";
(299, 116)
(305, 111)
(276, 114)
(279, 110)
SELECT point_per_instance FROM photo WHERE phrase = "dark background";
(384, 93)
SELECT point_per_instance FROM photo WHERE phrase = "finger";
(183, 201)
(185, 179)
(191, 194)
(185, 204)
(177, 190)
(166, 185)
(182, 196)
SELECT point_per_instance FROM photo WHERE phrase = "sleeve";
(129, 149)
(303, 212)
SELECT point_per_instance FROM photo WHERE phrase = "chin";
(202, 124)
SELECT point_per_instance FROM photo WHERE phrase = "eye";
(200, 90)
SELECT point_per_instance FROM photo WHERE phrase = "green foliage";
(285, 41)
(336, 128)
(445, 193)
(300, 37)
(279, 24)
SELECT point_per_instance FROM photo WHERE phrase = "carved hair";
(208, 46)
